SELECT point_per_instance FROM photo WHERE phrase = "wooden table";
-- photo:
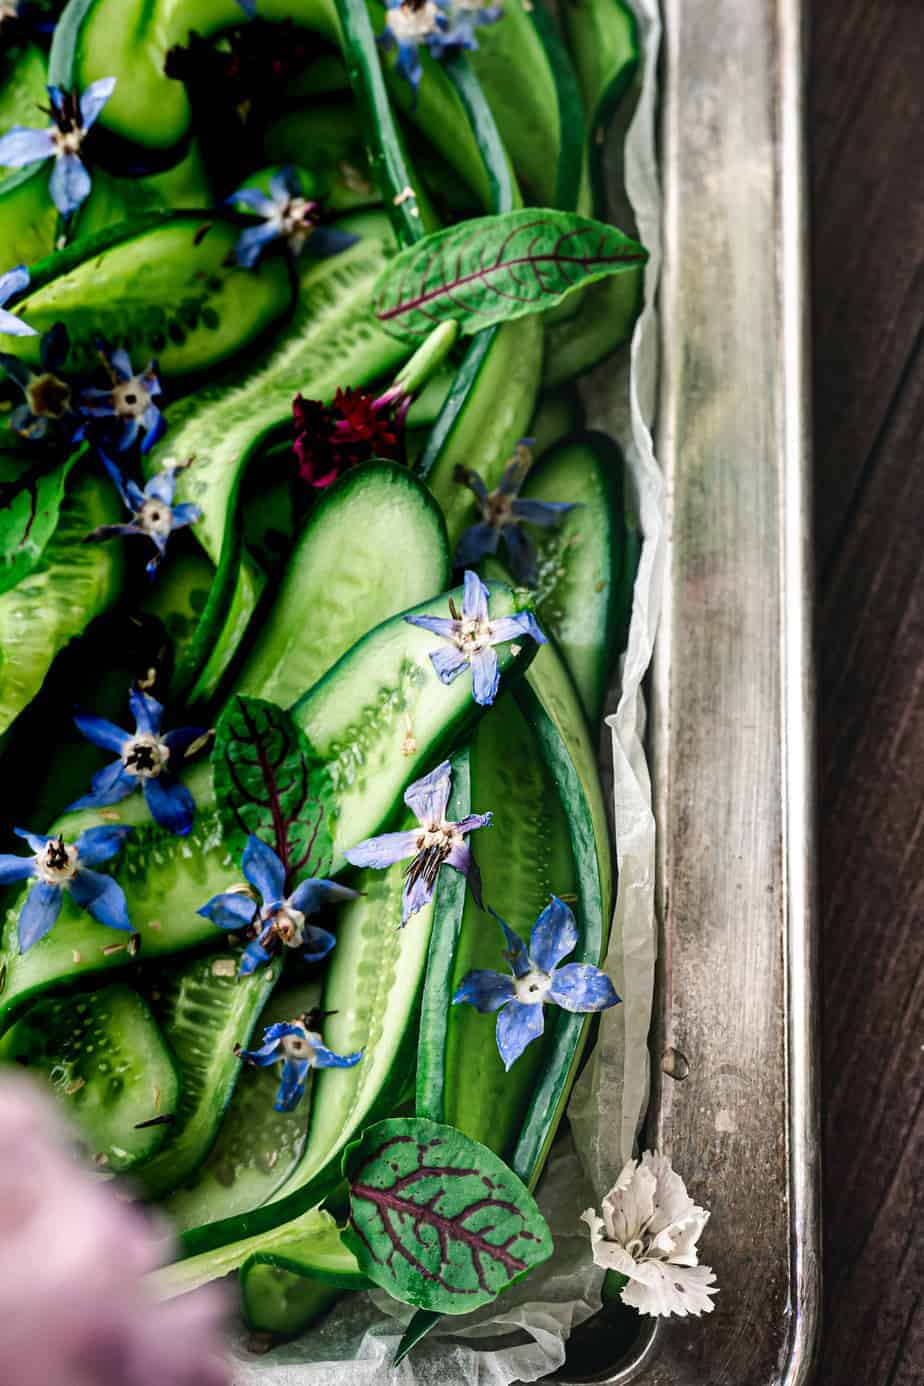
(867, 131)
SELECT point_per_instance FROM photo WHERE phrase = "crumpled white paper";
(523, 1337)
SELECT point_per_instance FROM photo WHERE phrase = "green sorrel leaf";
(271, 782)
(492, 269)
(29, 510)
(438, 1220)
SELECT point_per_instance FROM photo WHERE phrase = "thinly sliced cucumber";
(164, 286)
(204, 1009)
(180, 595)
(524, 859)
(351, 532)
(28, 218)
(116, 200)
(557, 414)
(23, 74)
(380, 718)
(256, 1147)
(580, 562)
(277, 1300)
(105, 1061)
(609, 310)
(603, 37)
(74, 583)
(568, 189)
(327, 139)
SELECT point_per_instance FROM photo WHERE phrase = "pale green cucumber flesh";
(277, 1300)
(167, 291)
(180, 594)
(114, 200)
(28, 218)
(23, 75)
(580, 559)
(356, 531)
(203, 1009)
(73, 583)
(605, 322)
(104, 1059)
(558, 413)
(525, 858)
(256, 1147)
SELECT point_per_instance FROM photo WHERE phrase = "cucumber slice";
(609, 310)
(113, 200)
(277, 1300)
(180, 595)
(28, 218)
(524, 859)
(106, 1063)
(557, 414)
(164, 288)
(379, 717)
(369, 508)
(603, 38)
(23, 74)
(256, 1147)
(204, 1009)
(580, 562)
(329, 140)
(56, 602)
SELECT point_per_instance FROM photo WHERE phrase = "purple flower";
(286, 216)
(502, 517)
(48, 398)
(279, 921)
(154, 516)
(410, 25)
(74, 1304)
(129, 400)
(56, 867)
(299, 1045)
(72, 116)
(471, 637)
(13, 282)
(537, 980)
(147, 760)
(436, 842)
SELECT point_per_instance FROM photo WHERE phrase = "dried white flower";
(648, 1233)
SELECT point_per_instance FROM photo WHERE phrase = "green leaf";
(492, 269)
(29, 510)
(270, 781)
(438, 1220)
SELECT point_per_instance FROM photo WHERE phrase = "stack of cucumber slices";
(293, 299)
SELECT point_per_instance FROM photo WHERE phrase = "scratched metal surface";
(732, 696)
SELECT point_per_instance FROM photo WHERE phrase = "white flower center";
(288, 926)
(145, 756)
(533, 988)
(473, 636)
(300, 1046)
(48, 397)
(155, 517)
(412, 23)
(67, 141)
(56, 863)
(130, 398)
(9, 11)
(442, 836)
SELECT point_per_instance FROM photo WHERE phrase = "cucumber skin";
(279, 1299)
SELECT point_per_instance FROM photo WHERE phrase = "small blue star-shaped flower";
(468, 15)
(502, 517)
(471, 636)
(147, 760)
(154, 516)
(299, 1045)
(287, 216)
(129, 401)
(48, 399)
(56, 867)
(72, 115)
(437, 842)
(13, 282)
(411, 25)
(536, 980)
(279, 920)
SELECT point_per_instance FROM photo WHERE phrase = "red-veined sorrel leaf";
(269, 781)
(30, 507)
(492, 269)
(436, 1219)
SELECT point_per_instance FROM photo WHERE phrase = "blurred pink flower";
(73, 1306)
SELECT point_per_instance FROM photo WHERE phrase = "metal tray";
(731, 701)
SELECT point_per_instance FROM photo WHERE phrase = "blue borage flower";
(471, 635)
(56, 867)
(12, 282)
(468, 15)
(436, 842)
(72, 116)
(154, 516)
(129, 400)
(299, 1045)
(279, 920)
(537, 980)
(147, 760)
(48, 398)
(410, 25)
(287, 216)
(503, 514)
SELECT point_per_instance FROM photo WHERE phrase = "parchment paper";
(522, 1338)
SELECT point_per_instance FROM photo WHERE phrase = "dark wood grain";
(867, 133)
